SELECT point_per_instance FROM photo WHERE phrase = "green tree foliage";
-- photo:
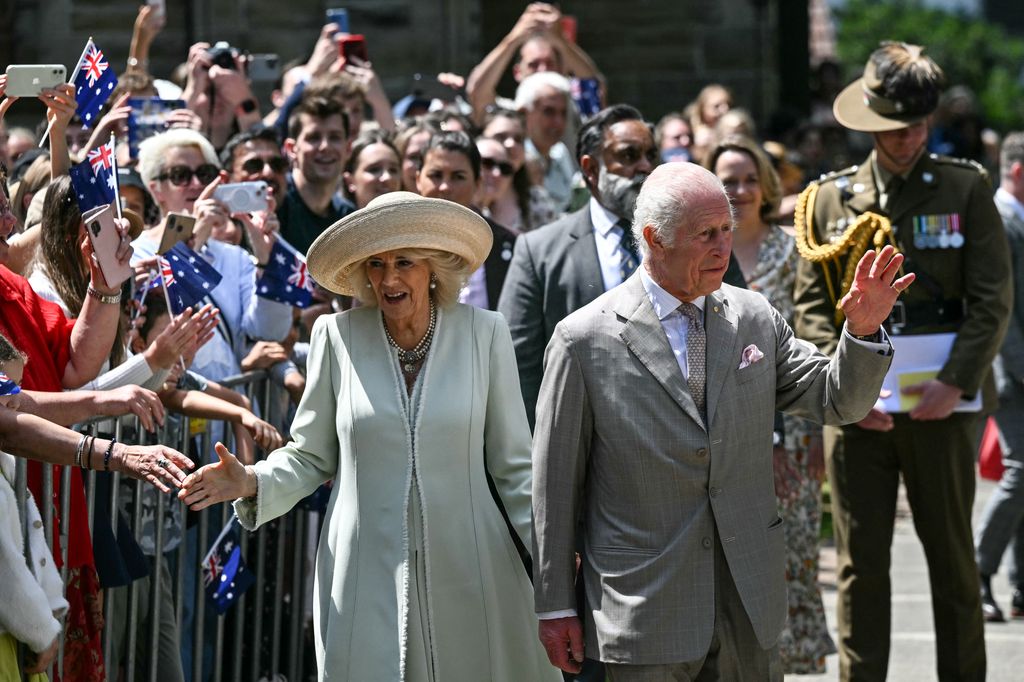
(971, 51)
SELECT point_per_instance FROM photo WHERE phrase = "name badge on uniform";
(941, 231)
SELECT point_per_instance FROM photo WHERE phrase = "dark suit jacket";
(497, 263)
(555, 271)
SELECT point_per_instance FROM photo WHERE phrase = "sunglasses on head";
(278, 164)
(504, 167)
(182, 175)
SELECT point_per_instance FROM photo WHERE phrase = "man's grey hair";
(534, 86)
(1011, 152)
(666, 200)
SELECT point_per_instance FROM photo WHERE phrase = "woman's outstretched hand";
(227, 479)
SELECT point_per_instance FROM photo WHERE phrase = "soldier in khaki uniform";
(940, 214)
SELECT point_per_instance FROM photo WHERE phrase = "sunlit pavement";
(912, 658)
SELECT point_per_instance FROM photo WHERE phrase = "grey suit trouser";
(735, 655)
(1003, 519)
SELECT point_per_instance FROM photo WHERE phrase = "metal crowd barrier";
(239, 652)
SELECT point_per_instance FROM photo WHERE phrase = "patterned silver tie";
(696, 354)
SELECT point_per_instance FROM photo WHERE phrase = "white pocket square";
(751, 354)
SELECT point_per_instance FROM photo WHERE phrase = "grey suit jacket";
(620, 445)
(554, 271)
(1009, 365)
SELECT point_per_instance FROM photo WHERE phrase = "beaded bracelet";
(107, 454)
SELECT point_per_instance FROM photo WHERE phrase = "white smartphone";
(28, 80)
(243, 197)
(99, 224)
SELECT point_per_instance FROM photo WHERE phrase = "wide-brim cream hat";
(888, 96)
(393, 221)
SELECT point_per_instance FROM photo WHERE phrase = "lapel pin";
(715, 308)
(927, 177)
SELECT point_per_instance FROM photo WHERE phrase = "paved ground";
(913, 651)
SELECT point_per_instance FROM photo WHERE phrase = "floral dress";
(805, 641)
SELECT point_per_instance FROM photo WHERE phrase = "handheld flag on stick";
(95, 179)
(94, 80)
(224, 573)
(187, 277)
(285, 277)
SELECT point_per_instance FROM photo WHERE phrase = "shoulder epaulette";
(962, 163)
(829, 177)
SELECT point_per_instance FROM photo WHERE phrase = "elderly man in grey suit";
(654, 429)
(565, 265)
(1003, 518)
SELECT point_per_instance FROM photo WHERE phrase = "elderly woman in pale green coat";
(411, 400)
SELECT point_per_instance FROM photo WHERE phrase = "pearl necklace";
(410, 358)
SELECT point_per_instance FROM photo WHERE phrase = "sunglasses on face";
(504, 167)
(505, 137)
(182, 175)
(278, 164)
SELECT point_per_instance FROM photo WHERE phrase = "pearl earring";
(369, 286)
(433, 281)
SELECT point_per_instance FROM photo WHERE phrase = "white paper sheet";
(918, 358)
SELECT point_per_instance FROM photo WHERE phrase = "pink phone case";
(99, 223)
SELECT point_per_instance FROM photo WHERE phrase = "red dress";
(39, 329)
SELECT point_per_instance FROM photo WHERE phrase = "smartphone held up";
(28, 80)
(243, 197)
(353, 46)
(105, 239)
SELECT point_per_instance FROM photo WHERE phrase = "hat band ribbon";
(883, 106)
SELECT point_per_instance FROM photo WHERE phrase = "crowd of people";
(548, 340)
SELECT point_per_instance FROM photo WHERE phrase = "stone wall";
(655, 53)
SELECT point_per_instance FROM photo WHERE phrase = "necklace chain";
(410, 358)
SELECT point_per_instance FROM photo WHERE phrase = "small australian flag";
(94, 81)
(285, 277)
(224, 573)
(94, 179)
(187, 277)
(8, 386)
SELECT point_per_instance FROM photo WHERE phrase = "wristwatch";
(108, 299)
(870, 338)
